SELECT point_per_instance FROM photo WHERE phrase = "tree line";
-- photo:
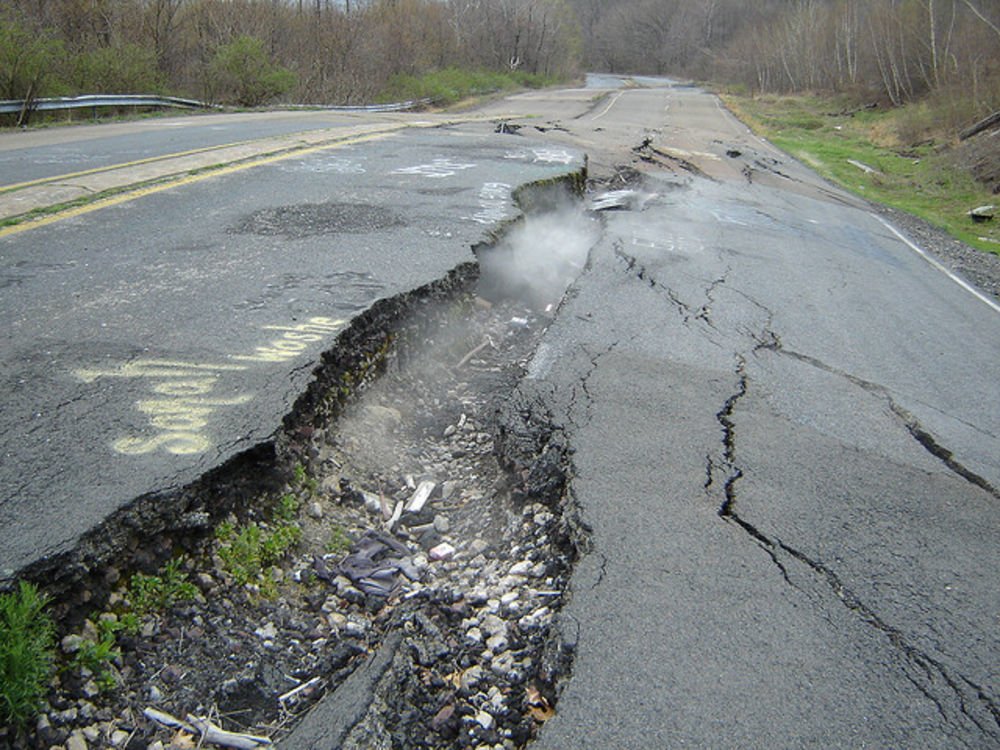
(892, 51)
(350, 51)
(249, 52)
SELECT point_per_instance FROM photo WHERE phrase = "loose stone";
(90, 689)
(443, 551)
(475, 635)
(268, 632)
(477, 547)
(493, 625)
(72, 643)
(441, 524)
(544, 518)
(471, 677)
(485, 720)
(497, 643)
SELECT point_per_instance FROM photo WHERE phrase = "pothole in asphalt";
(434, 534)
(313, 219)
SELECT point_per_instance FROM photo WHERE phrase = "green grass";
(149, 594)
(340, 542)
(919, 179)
(247, 552)
(27, 651)
(454, 84)
(97, 657)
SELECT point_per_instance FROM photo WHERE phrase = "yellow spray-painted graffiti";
(183, 403)
(293, 341)
(180, 414)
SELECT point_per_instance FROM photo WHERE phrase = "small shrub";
(124, 69)
(97, 657)
(450, 85)
(303, 480)
(31, 62)
(27, 649)
(148, 594)
(244, 70)
(248, 552)
(287, 509)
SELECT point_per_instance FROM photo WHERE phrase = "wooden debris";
(862, 166)
(394, 518)
(215, 735)
(420, 497)
(294, 692)
(980, 126)
(473, 353)
(209, 732)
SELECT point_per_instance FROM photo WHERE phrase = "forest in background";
(253, 52)
(890, 52)
(346, 52)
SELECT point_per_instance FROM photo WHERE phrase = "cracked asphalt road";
(785, 427)
(147, 343)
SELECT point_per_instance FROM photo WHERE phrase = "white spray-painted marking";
(330, 164)
(725, 219)
(518, 155)
(184, 398)
(436, 169)
(494, 203)
(553, 155)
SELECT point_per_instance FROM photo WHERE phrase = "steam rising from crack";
(539, 258)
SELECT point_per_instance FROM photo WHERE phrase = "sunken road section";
(452, 639)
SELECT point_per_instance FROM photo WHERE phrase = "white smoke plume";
(537, 260)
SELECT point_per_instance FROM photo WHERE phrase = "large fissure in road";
(429, 524)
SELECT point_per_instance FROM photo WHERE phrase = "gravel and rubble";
(414, 520)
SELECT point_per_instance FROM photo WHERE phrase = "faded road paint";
(190, 179)
(437, 169)
(183, 403)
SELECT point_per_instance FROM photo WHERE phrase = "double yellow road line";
(43, 216)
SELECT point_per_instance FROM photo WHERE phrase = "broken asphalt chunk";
(374, 565)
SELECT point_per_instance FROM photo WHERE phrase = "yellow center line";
(130, 195)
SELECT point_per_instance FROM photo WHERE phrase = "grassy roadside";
(452, 85)
(829, 134)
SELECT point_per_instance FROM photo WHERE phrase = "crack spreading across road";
(913, 426)
(920, 668)
(953, 695)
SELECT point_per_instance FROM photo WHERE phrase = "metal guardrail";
(14, 106)
(394, 107)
